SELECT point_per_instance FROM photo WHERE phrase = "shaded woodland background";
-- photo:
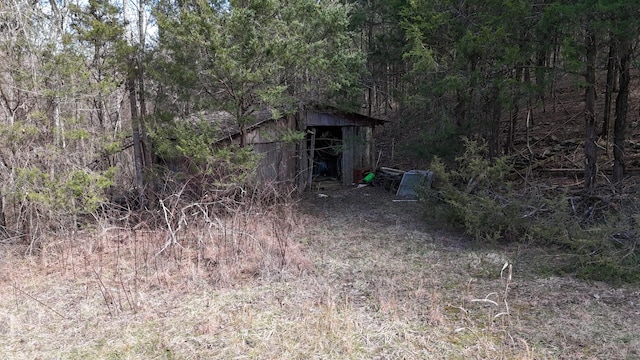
(93, 92)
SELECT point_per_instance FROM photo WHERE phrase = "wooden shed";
(336, 145)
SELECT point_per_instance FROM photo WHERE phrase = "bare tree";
(590, 149)
(622, 107)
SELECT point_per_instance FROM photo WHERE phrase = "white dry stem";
(506, 264)
(508, 278)
(487, 301)
(173, 239)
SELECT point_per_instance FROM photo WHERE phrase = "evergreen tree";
(377, 30)
(243, 55)
(593, 21)
(99, 27)
(468, 60)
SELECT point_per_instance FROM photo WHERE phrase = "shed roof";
(316, 116)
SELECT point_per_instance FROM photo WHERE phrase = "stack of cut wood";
(390, 178)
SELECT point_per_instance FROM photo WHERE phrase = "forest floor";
(379, 284)
(550, 143)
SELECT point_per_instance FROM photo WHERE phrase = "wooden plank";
(572, 170)
(368, 150)
(347, 155)
(392, 171)
(311, 157)
(267, 170)
(337, 119)
(289, 167)
(357, 147)
(301, 165)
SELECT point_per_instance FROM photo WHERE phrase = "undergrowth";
(595, 233)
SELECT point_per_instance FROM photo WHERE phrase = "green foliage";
(174, 139)
(18, 133)
(478, 198)
(77, 134)
(442, 142)
(99, 23)
(602, 251)
(59, 194)
(475, 196)
(193, 144)
(290, 136)
(467, 57)
(112, 147)
(234, 164)
(256, 53)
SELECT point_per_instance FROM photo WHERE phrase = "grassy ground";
(367, 281)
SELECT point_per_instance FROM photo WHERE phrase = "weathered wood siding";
(277, 162)
(357, 150)
(302, 169)
(281, 162)
(315, 118)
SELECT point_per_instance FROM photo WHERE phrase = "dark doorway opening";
(327, 153)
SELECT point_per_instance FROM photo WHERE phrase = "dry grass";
(360, 279)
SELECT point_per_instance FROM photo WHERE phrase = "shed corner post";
(302, 169)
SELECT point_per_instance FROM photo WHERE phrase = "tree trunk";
(541, 85)
(460, 109)
(142, 96)
(135, 130)
(58, 124)
(495, 117)
(3, 220)
(371, 70)
(243, 135)
(98, 103)
(515, 110)
(611, 68)
(622, 106)
(554, 60)
(590, 149)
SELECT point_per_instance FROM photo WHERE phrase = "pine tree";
(245, 55)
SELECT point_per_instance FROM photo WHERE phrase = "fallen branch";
(36, 300)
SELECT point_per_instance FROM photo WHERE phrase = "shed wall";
(277, 162)
(357, 150)
(282, 162)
